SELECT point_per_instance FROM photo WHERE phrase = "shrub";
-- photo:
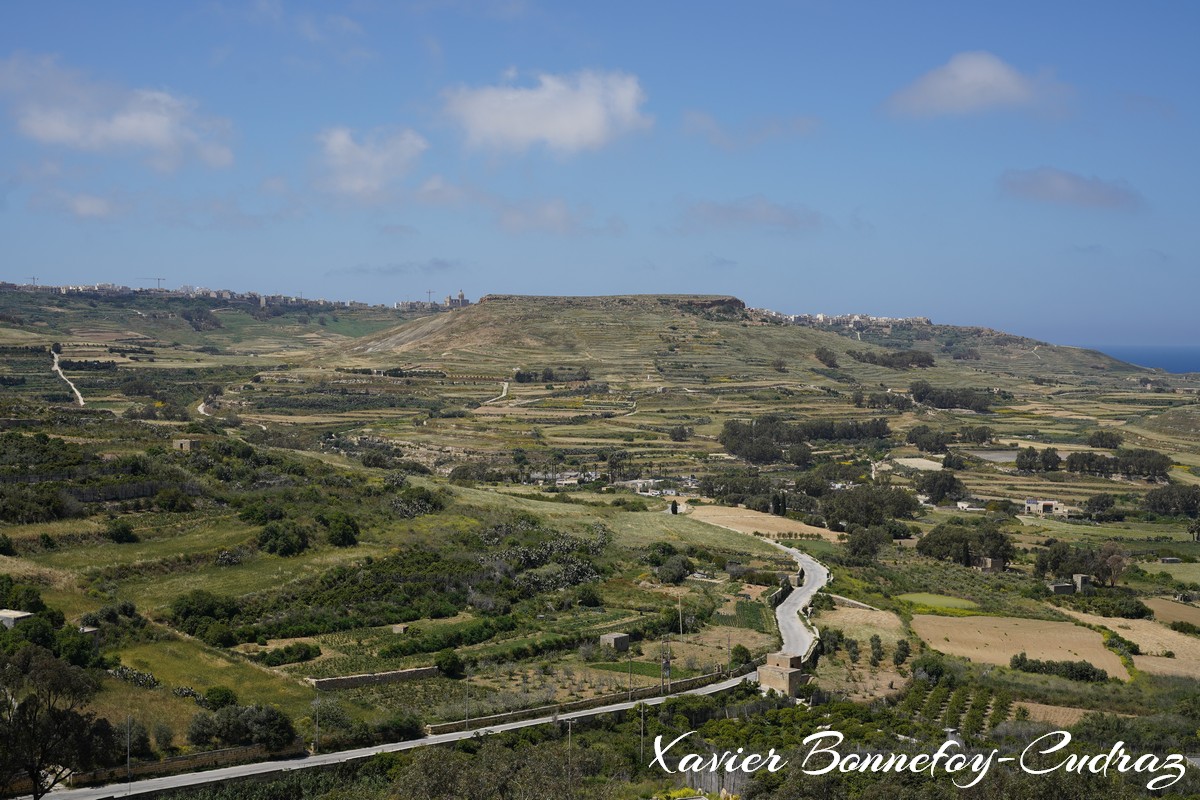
(219, 697)
(342, 529)
(675, 569)
(449, 663)
(283, 538)
(1072, 670)
(120, 531)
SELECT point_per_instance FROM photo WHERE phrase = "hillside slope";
(696, 339)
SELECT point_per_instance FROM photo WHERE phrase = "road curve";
(57, 368)
(149, 785)
(798, 636)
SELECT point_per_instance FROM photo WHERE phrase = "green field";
(936, 600)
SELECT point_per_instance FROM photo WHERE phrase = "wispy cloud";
(57, 106)
(429, 266)
(552, 216)
(700, 123)
(1050, 185)
(973, 83)
(754, 211)
(365, 169)
(565, 113)
(81, 205)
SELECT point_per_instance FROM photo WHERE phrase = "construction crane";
(33, 278)
(160, 280)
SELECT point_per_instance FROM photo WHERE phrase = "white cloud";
(438, 191)
(971, 83)
(89, 206)
(81, 205)
(755, 211)
(1050, 185)
(702, 124)
(365, 169)
(566, 113)
(553, 216)
(60, 107)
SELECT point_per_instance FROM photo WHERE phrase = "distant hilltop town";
(852, 321)
(262, 300)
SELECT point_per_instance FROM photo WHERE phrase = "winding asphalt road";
(797, 636)
(114, 790)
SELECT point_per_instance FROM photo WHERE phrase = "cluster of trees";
(283, 537)
(293, 653)
(1031, 459)
(1173, 501)
(549, 375)
(963, 543)
(1062, 560)
(769, 438)
(1072, 670)
(896, 400)
(443, 637)
(234, 725)
(1107, 439)
(1130, 462)
(826, 357)
(940, 485)
(200, 318)
(979, 400)
(928, 440)
(866, 506)
(895, 359)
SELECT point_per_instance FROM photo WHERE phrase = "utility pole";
(570, 776)
(317, 739)
(629, 658)
(668, 654)
(680, 618)
(467, 722)
(729, 649)
(643, 755)
(128, 758)
(662, 662)
(429, 296)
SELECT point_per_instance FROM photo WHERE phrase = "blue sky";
(1025, 166)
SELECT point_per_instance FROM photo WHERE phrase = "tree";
(1050, 459)
(1028, 459)
(826, 357)
(902, 652)
(674, 506)
(343, 529)
(44, 733)
(864, 544)
(739, 655)
(675, 569)
(218, 697)
(941, 485)
(120, 531)
(1098, 504)
(1110, 563)
(1110, 440)
(449, 663)
(954, 461)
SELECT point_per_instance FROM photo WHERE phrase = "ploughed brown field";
(995, 640)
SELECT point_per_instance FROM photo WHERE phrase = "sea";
(1171, 358)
